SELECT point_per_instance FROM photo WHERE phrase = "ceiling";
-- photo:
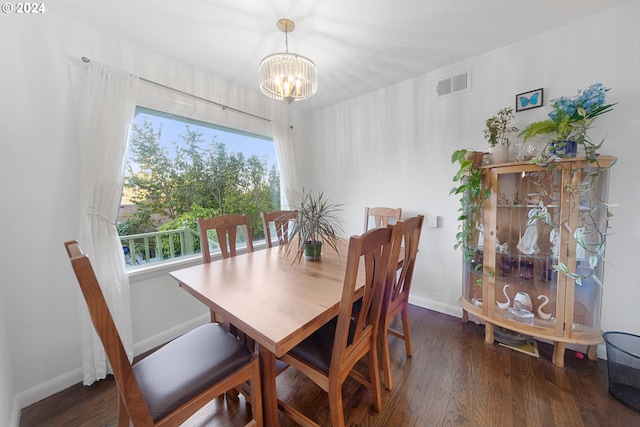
(358, 45)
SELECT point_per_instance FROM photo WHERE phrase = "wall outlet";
(433, 221)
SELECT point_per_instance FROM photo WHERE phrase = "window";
(178, 170)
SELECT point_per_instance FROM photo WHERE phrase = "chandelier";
(287, 76)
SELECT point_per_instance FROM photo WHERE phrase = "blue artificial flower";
(592, 100)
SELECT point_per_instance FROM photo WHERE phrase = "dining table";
(273, 298)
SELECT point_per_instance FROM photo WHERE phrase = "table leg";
(269, 395)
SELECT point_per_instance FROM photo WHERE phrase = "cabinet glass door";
(588, 242)
(527, 246)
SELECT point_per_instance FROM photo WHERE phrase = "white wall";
(393, 147)
(38, 303)
(6, 377)
(390, 147)
(39, 336)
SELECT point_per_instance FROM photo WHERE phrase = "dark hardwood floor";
(453, 379)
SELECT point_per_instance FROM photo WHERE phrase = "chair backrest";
(106, 329)
(374, 249)
(226, 227)
(381, 216)
(281, 220)
(406, 237)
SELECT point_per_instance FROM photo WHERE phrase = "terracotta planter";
(476, 156)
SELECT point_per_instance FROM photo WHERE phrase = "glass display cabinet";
(536, 265)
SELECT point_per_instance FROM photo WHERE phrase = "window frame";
(167, 103)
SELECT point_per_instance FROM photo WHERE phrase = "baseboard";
(166, 336)
(16, 410)
(46, 389)
(61, 382)
(451, 310)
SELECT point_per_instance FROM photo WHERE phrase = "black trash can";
(623, 365)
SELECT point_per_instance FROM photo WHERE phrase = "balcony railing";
(159, 245)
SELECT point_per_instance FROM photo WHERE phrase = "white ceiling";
(358, 45)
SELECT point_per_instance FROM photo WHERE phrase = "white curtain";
(104, 111)
(283, 140)
(288, 143)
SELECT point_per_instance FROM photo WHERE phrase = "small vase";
(506, 265)
(548, 273)
(312, 251)
(564, 148)
(570, 148)
(526, 270)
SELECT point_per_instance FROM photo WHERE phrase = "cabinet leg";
(488, 333)
(592, 352)
(558, 354)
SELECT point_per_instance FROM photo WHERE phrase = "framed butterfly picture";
(531, 99)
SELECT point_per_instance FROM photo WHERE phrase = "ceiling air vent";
(459, 83)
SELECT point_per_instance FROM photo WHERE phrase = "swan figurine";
(543, 315)
(522, 301)
(504, 305)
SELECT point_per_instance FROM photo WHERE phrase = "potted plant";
(317, 223)
(472, 191)
(496, 133)
(569, 120)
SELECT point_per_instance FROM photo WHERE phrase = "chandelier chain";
(286, 39)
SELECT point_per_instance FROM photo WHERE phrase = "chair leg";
(384, 354)
(232, 393)
(407, 331)
(123, 415)
(256, 395)
(336, 405)
(374, 376)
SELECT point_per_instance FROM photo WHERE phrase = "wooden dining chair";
(396, 298)
(281, 221)
(171, 384)
(381, 216)
(226, 227)
(329, 355)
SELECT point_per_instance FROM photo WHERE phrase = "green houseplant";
(317, 223)
(496, 132)
(569, 120)
(472, 191)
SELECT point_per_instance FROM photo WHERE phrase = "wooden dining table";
(273, 299)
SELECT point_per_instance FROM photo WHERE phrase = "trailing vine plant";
(570, 119)
(472, 192)
(593, 214)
